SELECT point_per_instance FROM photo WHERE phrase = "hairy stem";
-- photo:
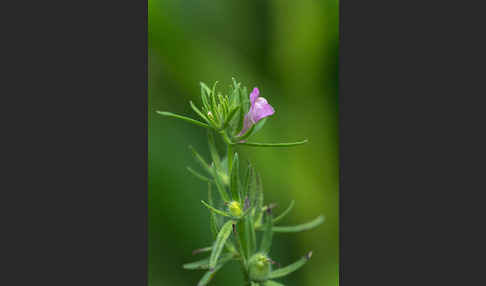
(231, 155)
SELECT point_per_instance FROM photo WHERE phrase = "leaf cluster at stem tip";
(225, 114)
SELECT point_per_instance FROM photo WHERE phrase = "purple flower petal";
(259, 109)
(254, 95)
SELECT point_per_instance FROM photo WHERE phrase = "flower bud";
(259, 267)
(234, 208)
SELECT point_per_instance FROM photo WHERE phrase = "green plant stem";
(231, 156)
(241, 230)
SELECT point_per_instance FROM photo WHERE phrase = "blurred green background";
(289, 49)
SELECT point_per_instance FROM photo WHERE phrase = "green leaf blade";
(235, 179)
(187, 119)
(301, 227)
(223, 235)
(197, 175)
(266, 242)
(285, 212)
(199, 112)
(201, 161)
(215, 210)
(213, 150)
(230, 117)
(272, 283)
(213, 220)
(284, 271)
(289, 144)
(200, 264)
(208, 276)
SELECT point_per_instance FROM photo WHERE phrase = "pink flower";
(259, 109)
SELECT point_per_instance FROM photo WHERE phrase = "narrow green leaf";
(219, 184)
(250, 185)
(290, 268)
(252, 234)
(213, 150)
(255, 144)
(204, 97)
(215, 210)
(205, 87)
(199, 112)
(259, 191)
(204, 263)
(272, 283)
(230, 117)
(197, 175)
(200, 264)
(213, 97)
(301, 227)
(187, 119)
(259, 200)
(266, 242)
(235, 179)
(223, 235)
(285, 212)
(208, 276)
(245, 99)
(212, 216)
(243, 239)
(201, 161)
(244, 103)
(202, 250)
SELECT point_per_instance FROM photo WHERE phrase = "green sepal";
(284, 271)
(259, 125)
(285, 212)
(221, 238)
(301, 227)
(247, 134)
(187, 119)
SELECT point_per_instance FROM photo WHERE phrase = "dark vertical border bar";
(77, 144)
